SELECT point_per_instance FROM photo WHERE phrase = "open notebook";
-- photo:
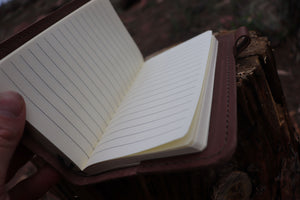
(95, 103)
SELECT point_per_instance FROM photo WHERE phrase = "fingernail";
(11, 104)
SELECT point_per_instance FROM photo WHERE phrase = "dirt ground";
(157, 24)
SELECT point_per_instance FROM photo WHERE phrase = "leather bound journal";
(97, 111)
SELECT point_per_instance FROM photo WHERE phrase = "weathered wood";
(267, 147)
(266, 162)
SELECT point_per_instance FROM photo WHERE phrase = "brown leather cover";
(222, 138)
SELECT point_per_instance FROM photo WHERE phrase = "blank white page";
(73, 77)
(160, 106)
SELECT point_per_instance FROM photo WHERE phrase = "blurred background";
(157, 24)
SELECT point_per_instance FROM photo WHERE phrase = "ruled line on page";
(116, 40)
(170, 65)
(174, 94)
(187, 56)
(65, 62)
(106, 61)
(160, 94)
(135, 141)
(162, 118)
(154, 80)
(110, 139)
(110, 76)
(83, 72)
(24, 60)
(122, 115)
(101, 44)
(159, 75)
(40, 109)
(158, 80)
(145, 115)
(92, 79)
(159, 70)
(170, 85)
(96, 68)
(34, 87)
(86, 87)
(112, 132)
(58, 81)
(123, 36)
(134, 116)
(161, 88)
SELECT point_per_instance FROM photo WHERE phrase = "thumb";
(12, 121)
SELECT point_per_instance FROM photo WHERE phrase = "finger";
(35, 186)
(21, 156)
(12, 121)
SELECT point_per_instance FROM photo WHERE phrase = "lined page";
(160, 106)
(73, 77)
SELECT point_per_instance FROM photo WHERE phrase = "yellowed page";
(160, 106)
(73, 77)
(196, 138)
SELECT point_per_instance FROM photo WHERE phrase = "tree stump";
(267, 142)
(264, 166)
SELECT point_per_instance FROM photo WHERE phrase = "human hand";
(12, 121)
